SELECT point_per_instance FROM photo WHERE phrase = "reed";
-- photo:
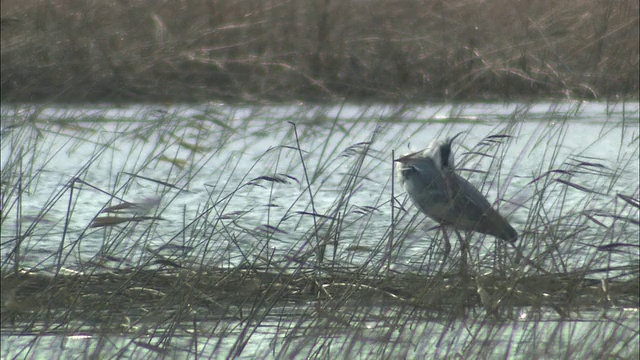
(248, 51)
(278, 227)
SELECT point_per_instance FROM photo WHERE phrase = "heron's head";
(411, 164)
(438, 153)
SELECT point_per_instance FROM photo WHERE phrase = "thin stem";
(320, 249)
(393, 204)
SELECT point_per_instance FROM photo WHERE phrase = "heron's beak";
(408, 158)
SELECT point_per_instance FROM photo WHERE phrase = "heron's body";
(446, 197)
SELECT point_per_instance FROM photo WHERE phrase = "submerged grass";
(206, 232)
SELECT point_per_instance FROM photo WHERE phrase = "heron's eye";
(408, 170)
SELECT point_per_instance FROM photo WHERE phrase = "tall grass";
(78, 51)
(224, 233)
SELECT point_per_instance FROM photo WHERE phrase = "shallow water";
(214, 214)
(402, 335)
(241, 144)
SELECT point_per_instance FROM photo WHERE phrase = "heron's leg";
(465, 280)
(447, 250)
(447, 246)
(464, 250)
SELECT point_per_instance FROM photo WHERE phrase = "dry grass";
(77, 51)
(225, 293)
(216, 279)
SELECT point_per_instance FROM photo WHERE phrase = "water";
(240, 144)
(366, 337)
(199, 165)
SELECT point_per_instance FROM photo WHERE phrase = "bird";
(429, 177)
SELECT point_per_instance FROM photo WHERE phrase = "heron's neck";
(444, 157)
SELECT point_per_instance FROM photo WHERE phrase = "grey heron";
(434, 187)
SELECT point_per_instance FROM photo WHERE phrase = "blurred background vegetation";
(317, 50)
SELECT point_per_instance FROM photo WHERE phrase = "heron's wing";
(474, 212)
(469, 197)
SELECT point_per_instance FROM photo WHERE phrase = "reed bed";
(248, 51)
(299, 238)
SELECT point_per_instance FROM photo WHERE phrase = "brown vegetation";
(64, 50)
(28, 295)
